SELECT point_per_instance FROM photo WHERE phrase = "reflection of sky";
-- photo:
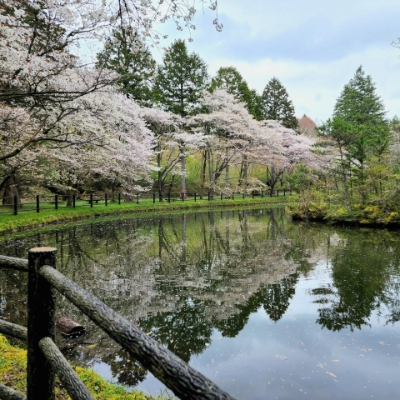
(295, 358)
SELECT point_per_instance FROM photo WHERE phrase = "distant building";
(307, 127)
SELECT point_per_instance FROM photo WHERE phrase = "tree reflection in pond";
(189, 279)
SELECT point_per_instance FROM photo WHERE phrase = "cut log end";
(69, 328)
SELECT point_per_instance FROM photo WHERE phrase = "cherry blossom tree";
(290, 149)
(230, 131)
(121, 154)
(47, 84)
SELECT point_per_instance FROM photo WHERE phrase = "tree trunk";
(203, 173)
(10, 190)
(227, 191)
(183, 172)
(211, 174)
(159, 174)
(346, 189)
(245, 168)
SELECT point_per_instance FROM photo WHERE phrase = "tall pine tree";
(180, 80)
(277, 105)
(126, 54)
(360, 106)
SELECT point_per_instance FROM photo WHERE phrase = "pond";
(265, 307)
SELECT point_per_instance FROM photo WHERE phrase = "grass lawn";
(13, 374)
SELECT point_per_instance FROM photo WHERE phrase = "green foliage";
(276, 104)
(301, 178)
(360, 106)
(180, 80)
(311, 201)
(232, 81)
(126, 54)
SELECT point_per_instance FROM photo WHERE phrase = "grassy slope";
(31, 219)
(13, 374)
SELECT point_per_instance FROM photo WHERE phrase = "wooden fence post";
(195, 196)
(73, 200)
(91, 199)
(105, 199)
(15, 205)
(154, 197)
(41, 309)
(56, 202)
(37, 203)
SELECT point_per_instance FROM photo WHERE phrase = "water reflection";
(184, 278)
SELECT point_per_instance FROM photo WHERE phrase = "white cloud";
(313, 47)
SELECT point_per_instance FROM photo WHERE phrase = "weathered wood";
(7, 393)
(68, 327)
(17, 331)
(41, 308)
(20, 264)
(69, 378)
(184, 381)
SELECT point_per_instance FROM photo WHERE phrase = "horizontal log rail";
(15, 263)
(13, 330)
(7, 393)
(44, 358)
(38, 203)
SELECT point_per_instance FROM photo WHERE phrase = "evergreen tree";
(180, 80)
(129, 57)
(276, 104)
(360, 106)
(232, 81)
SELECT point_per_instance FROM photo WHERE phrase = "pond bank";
(30, 220)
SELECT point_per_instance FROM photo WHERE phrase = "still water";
(265, 307)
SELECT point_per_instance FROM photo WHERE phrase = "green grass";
(13, 374)
(31, 219)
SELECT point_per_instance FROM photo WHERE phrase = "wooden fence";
(38, 203)
(44, 358)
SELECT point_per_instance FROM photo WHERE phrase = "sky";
(313, 47)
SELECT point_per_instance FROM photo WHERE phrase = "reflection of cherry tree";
(183, 276)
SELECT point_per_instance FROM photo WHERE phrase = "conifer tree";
(360, 106)
(126, 54)
(180, 80)
(232, 81)
(277, 105)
